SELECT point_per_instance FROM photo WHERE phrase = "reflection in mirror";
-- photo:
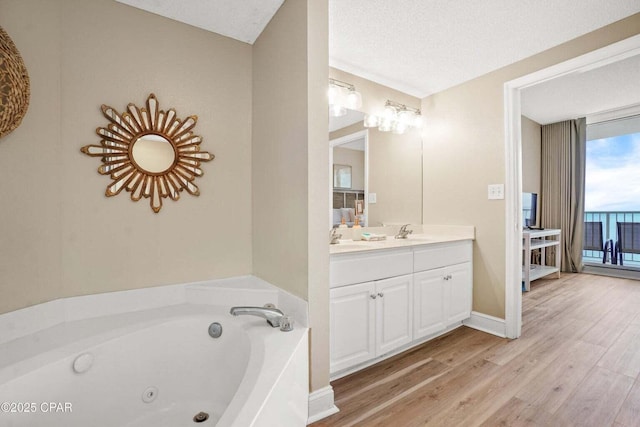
(390, 167)
(341, 176)
(149, 152)
(153, 153)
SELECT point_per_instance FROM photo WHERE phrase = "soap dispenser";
(343, 223)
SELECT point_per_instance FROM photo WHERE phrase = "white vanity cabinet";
(352, 325)
(394, 313)
(370, 305)
(369, 319)
(384, 300)
(429, 301)
(442, 287)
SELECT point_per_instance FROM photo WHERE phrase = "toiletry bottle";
(357, 229)
(343, 223)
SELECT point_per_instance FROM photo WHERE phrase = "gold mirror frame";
(116, 152)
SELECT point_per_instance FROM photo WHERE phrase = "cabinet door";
(394, 313)
(429, 302)
(352, 317)
(460, 292)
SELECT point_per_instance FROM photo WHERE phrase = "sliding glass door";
(612, 193)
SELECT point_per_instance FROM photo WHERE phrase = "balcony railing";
(608, 220)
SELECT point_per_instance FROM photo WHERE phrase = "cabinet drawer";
(441, 255)
(357, 268)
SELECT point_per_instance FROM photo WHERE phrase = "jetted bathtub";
(156, 367)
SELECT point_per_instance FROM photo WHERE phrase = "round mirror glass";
(153, 153)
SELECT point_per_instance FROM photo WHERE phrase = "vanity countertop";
(430, 235)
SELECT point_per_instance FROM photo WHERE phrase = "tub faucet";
(334, 237)
(403, 233)
(273, 315)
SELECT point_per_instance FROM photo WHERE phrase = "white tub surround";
(243, 290)
(96, 353)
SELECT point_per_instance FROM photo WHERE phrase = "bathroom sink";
(420, 238)
(349, 246)
(356, 245)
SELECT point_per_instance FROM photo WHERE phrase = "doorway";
(513, 163)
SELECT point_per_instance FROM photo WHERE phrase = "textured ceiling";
(424, 46)
(242, 20)
(416, 46)
(582, 94)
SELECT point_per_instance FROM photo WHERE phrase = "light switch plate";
(373, 198)
(496, 191)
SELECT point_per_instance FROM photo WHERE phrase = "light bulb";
(354, 100)
(337, 110)
(371, 121)
(406, 117)
(399, 128)
(418, 121)
(385, 125)
(334, 94)
(389, 113)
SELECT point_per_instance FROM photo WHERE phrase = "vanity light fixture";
(342, 96)
(395, 117)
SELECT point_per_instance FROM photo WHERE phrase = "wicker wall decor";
(14, 85)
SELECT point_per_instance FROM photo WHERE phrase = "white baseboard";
(321, 404)
(485, 323)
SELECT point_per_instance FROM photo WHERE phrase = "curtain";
(562, 204)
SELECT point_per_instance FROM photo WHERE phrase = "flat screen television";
(529, 209)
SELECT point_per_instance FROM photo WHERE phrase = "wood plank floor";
(577, 363)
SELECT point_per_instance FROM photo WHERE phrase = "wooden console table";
(539, 239)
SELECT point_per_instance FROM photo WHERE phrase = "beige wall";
(464, 152)
(290, 159)
(355, 159)
(60, 235)
(280, 152)
(318, 58)
(531, 140)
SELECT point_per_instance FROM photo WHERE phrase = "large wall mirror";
(386, 173)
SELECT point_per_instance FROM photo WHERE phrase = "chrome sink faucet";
(273, 316)
(403, 233)
(334, 237)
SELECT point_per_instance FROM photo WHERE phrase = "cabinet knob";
(372, 296)
(380, 294)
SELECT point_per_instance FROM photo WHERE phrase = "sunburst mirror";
(149, 152)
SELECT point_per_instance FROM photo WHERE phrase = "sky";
(612, 176)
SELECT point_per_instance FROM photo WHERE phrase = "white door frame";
(513, 163)
(345, 140)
